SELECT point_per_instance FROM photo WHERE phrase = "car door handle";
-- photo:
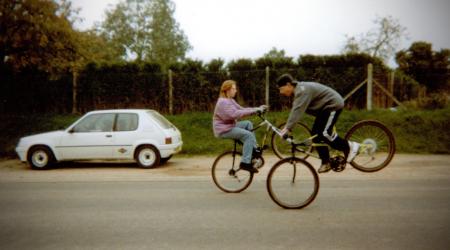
(108, 135)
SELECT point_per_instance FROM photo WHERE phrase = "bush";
(434, 101)
(431, 102)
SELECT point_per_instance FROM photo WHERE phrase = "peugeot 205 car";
(129, 134)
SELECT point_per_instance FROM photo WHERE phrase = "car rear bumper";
(168, 150)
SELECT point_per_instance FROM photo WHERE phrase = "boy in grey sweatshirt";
(326, 105)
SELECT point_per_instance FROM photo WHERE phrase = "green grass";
(415, 131)
(424, 131)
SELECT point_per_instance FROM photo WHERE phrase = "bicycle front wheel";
(292, 183)
(227, 175)
(283, 149)
(377, 145)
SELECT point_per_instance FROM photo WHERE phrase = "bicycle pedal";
(258, 162)
(337, 163)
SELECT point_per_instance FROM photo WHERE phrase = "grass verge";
(424, 131)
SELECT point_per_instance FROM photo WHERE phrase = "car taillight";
(168, 140)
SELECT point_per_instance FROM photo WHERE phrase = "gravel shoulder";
(403, 166)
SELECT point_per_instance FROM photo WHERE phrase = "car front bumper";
(22, 153)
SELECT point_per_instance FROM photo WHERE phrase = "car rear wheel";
(147, 156)
(40, 157)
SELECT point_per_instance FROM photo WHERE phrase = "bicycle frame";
(305, 143)
(269, 126)
(308, 142)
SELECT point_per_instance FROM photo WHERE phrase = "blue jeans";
(243, 132)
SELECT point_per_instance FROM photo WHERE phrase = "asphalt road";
(402, 207)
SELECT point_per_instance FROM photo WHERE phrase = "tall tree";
(95, 48)
(428, 67)
(146, 30)
(274, 53)
(381, 41)
(274, 59)
(36, 33)
(168, 42)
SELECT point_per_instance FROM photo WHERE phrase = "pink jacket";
(226, 113)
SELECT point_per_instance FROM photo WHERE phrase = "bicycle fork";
(295, 172)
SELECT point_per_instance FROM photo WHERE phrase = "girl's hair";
(226, 85)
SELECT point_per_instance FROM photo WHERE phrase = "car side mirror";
(71, 131)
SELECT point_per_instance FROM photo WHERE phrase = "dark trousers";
(323, 128)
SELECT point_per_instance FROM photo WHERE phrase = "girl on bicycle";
(226, 126)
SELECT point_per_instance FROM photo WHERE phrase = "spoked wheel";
(227, 175)
(293, 183)
(377, 145)
(283, 149)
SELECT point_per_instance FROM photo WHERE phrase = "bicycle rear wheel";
(283, 149)
(377, 145)
(292, 183)
(227, 175)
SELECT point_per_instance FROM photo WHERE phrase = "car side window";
(127, 122)
(95, 123)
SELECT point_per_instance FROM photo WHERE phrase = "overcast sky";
(232, 29)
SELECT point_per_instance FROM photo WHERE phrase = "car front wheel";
(40, 157)
(147, 156)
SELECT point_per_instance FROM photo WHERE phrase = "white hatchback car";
(128, 134)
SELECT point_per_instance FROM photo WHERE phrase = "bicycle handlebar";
(288, 138)
(260, 113)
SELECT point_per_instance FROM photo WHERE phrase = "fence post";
(391, 87)
(369, 86)
(170, 92)
(74, 91)
(267, 85)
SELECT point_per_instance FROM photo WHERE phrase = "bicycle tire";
(292, 186)
(380, 145)
(282, 148)
(226, 173)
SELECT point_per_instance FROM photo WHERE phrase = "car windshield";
(161, 120)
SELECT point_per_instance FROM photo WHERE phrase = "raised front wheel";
(283, 149)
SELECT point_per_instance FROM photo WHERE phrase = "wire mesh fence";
(184, 91)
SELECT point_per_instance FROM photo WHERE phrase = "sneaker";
(257, 162)
(324, 168)
(354, 150)
(257, 152)
(248, 167)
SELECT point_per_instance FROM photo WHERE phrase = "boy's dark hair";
(284, 79)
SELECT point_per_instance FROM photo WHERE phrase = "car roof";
(120, 111)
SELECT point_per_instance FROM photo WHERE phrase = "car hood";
(44, 136)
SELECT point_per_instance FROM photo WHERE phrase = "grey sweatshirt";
(312, 98)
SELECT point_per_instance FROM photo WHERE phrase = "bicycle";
(289, 186)
(225, 171)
